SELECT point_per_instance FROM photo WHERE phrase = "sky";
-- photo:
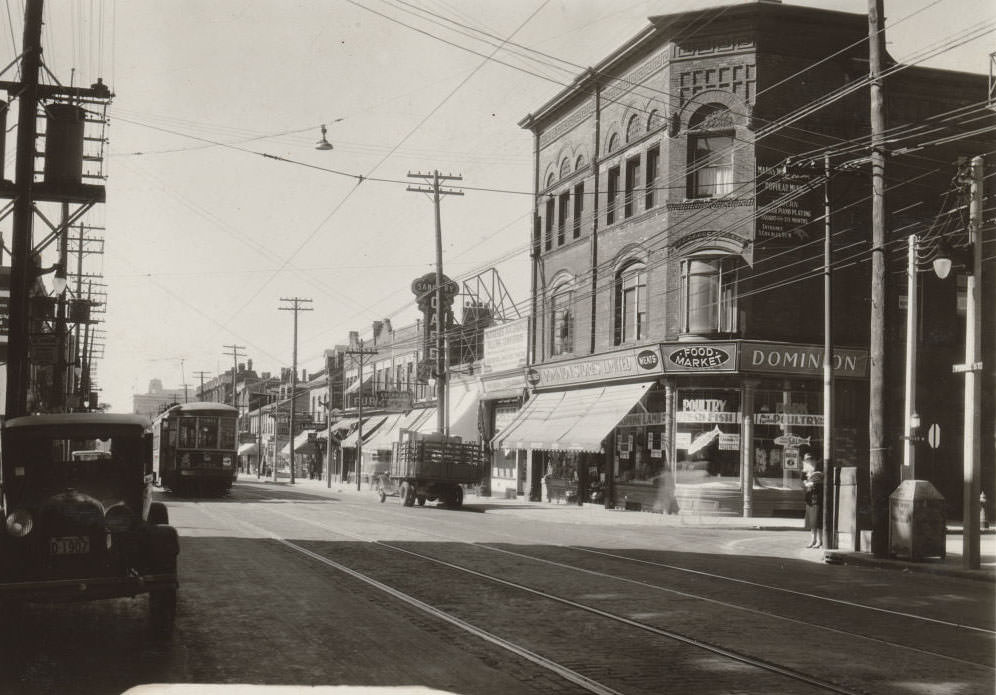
(219, 207)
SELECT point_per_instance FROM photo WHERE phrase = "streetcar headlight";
(226, 462)
(19, 523)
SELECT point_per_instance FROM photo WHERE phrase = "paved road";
(315, 586)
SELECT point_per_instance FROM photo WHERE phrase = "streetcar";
(194, 448)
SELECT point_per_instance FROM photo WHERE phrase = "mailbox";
(916, 521)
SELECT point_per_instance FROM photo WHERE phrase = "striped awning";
(576, 420)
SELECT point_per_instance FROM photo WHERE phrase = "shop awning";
(370, 426)
(355, 386)
(570, 420)
(343, 425)
(389, 433)
(464, 403)
(248, 449)
(301, 444)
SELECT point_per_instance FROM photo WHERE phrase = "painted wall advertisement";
(506, 346)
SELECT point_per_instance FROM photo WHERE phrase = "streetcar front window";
(207, 433)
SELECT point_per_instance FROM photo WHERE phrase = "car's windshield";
(108, 469)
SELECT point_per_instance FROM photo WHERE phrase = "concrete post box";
(916, 521)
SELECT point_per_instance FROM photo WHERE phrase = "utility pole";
(973, 375)
(441, 357)
(201, 375)
(60, 185)
(881, 478)
(235, 354)
(20, 247)
(361, 352)
(295, 306)
(829, 465)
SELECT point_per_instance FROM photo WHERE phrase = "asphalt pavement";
(789, 545)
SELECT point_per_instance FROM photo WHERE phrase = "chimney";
(354, 339)
(249, 365)
(377, 326)
(304, 375)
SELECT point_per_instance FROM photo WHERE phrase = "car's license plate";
(69, 545)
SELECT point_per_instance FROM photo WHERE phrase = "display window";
(787, 424)
(641, 441)
(707, 435)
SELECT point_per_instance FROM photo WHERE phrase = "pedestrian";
(812, 481)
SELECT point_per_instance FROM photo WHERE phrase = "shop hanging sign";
(700, 357)
(637, 362)
(790, 439)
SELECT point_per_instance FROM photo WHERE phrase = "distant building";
(156, 399)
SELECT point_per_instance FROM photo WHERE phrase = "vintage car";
(79, 520)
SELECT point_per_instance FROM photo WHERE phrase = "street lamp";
(324, 143)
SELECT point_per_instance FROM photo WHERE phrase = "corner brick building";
(677, 337)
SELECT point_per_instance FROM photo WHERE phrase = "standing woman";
(812, 480)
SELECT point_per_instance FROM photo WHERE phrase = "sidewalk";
(950, 565)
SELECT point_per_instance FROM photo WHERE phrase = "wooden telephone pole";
(441, 357)
(295, 306)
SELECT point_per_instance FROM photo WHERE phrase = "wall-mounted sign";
(802, 359)
(625, 364)
(506, 346)
(700, 357)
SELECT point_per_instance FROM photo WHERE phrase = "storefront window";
(641, 436)
(787, 424)
(707, 435)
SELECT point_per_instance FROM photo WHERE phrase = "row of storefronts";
(696, 427)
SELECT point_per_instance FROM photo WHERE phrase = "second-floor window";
(564, 203)
(631, 303)
(709, 294)
(653, 163)
(561, 323)
(578, 208)
(631, 183)
(548, 229)
(612, 191)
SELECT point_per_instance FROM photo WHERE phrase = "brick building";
(677, 337)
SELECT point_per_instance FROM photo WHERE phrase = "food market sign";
(700, 357)
(637, 362)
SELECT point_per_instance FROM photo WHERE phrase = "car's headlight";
(119, 518)
(226, 462)
(19, 523)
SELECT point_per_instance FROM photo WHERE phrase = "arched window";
(579, 163)
(710, 152)
(654, 120)
(631, 303)
(549, 180)
(565, 168)
(613, 143)
(562, 321)
(632, 128)
(709, 294)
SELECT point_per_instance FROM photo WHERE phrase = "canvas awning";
(570, 420)
(301, 444)
(370, 426)
(388, 434)
(464, 402)
(248, 449)
(343, 425)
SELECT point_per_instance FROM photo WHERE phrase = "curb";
(844, 557)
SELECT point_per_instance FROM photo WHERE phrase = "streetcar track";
(564, 672)
(746, 582)
(542, 661)
(628, 580)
